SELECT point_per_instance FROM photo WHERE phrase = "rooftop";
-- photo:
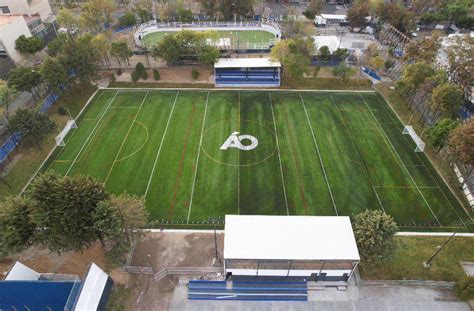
(263, 62)
(7, 19)
(290, 238)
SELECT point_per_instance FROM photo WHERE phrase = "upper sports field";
(197, 154)
(238, 38)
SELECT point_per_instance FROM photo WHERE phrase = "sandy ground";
(159, 250)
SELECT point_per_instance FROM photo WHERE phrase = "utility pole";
(428, 263)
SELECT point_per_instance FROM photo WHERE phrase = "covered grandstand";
(248, 72)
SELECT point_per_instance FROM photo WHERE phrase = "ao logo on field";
(235, 141)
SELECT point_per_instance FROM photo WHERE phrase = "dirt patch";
(174, 75)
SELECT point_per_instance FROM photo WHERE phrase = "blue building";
(26, 289)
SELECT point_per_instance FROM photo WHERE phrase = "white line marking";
(197, 160)
(378, 198)
(394, 151)
(356, 148)
(126, 136)
(92, 132)
(279, 157)
(238, 167)
(161, 144)
(319, 155)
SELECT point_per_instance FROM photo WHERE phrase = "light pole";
(428, 263)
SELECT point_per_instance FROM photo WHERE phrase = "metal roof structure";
(263, 62)
(289, 238)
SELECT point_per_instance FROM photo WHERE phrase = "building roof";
(263, 62)
(290, 238)
(332, 42)
(334, 16)
(7, 19)
(92, 290)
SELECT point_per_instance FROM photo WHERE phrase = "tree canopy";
(24, 79)
(461, 144)
(33, 125)
(374, 231)
(121, 51)
(447, 99)
(438, 134)
(16, 227)
(396, 15)
(357, 14)
(55, 74)
(29, 45)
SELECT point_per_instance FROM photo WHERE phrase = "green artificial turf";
(248, 39)
(317, 154)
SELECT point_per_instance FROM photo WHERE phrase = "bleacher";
(248, 290)
(254, 72)
(9, 145)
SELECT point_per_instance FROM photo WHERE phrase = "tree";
(185, 15)
(295, 56)
(16, 227)
(121, 51)
(461, 60)
(210, 7)
(29, 45)
(447, 99)
(297, 29)
(131, 210)
(343, 71)
(6, 96)
(324, 53)
(207, 54)
(437, 135)
(357, 13)
(143, 9)
(56, 46)
(461, 145)
(55, 74)
(102, 43)
(376, 63)
(81, 58)
(24, 79)
(340, 54)
(65, 211)
(33, 125)
(315, 6)
(413, 76)
(425, 49)
(165, 11)
(97, 15)
(127, 20)
(396, 15)
(374, 231)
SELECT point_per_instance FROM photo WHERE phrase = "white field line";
(238, 167)
(436, 169)
(91, 133)
(319, 155)
(55, 146)
(161, 145)
(279, 157)
(357, 149)
(197, 159)
(238, 89)
(395, 152)
(126, 136)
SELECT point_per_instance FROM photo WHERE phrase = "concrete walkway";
(355, 298)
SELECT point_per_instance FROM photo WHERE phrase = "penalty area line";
(197, 160)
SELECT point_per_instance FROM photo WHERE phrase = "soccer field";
(241, 38)
(292, 153)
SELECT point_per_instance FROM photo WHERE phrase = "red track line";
(297, 163)
(181, 163)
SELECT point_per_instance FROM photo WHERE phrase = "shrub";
(112, 78)
(119, 71)
(156, 75)
(464, 288)
(309, 14)
(195, 74)
(141, 71)
(62, 111)
(135, 76)
(118, 253)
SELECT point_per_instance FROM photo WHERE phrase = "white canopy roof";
(289, 237)
(92, 289)
(340, 17)
(332, 42)
(263, 62)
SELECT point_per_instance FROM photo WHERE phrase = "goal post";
(420, 145)
(71, 124)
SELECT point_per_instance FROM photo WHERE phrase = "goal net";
(420, 145)
(71, 124)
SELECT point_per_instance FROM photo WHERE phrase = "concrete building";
(316, 248)
(27, 7)
(11, 27)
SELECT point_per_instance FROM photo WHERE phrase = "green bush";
(141, 71)
(464, 288)
(156, 75)
(195, 74)
(62, 111)
(309, 14)
(135, 76)
(119, 71)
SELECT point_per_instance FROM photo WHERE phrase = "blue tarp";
(34, 295)
(371, 73)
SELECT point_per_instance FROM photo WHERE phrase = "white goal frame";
(420, 144)
(71, 124)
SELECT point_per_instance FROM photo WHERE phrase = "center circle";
(215, 136)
